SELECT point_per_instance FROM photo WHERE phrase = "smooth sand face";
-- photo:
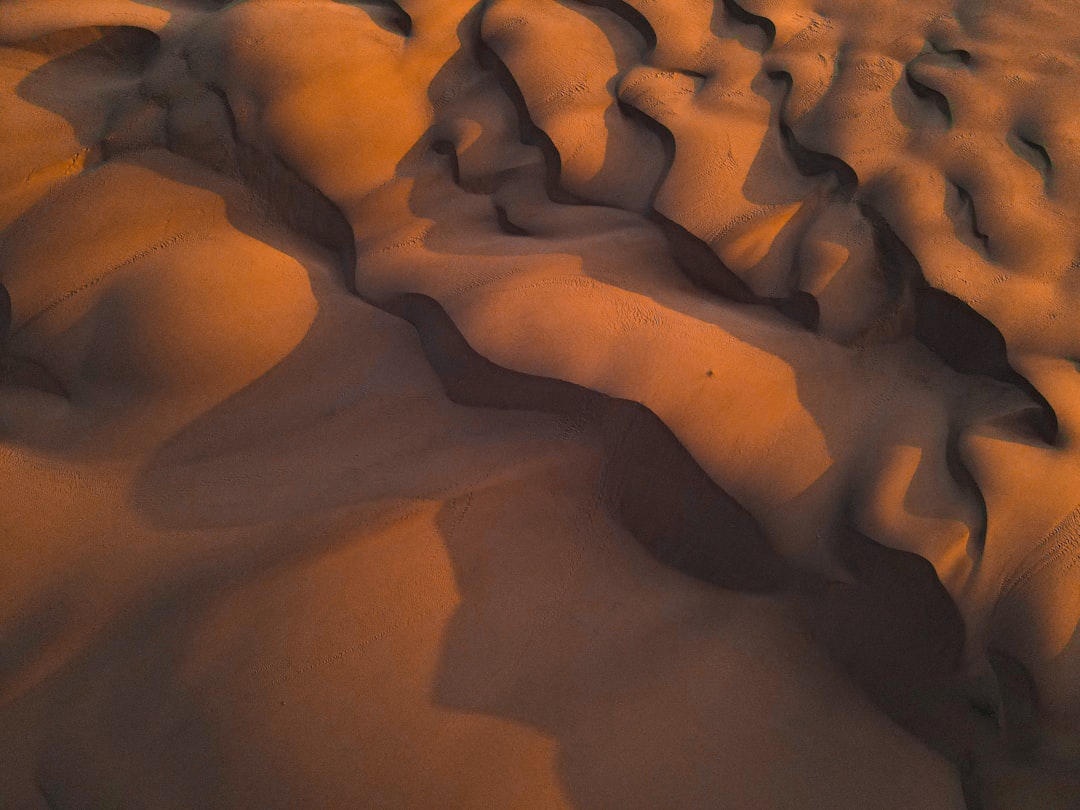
(259, 552)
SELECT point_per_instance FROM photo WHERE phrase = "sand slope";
(539, 403)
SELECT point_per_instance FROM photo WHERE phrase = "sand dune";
(539, 403)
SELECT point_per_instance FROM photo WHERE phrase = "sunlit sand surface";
(539, 403)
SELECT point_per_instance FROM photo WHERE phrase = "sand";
(539, 403)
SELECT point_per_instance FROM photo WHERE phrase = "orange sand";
(539, 403)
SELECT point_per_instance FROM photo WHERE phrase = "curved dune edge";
(236, 490)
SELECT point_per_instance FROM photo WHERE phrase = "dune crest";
(399, 398)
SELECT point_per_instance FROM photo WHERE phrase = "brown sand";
(539, 403)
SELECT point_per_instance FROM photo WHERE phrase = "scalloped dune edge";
(539, 403)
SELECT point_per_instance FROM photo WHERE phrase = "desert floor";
(540, 404)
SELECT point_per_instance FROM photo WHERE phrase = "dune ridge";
(677, 271)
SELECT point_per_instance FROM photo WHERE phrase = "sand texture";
(540, 404)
